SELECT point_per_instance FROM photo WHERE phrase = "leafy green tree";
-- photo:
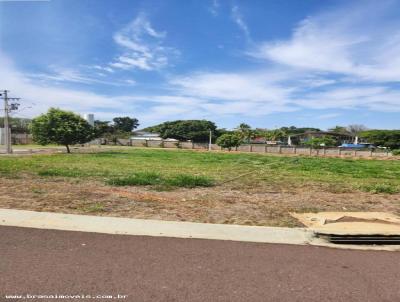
(61, 127)
(275, 135)
(339, 129)
(245, 132)
(125, 124)
(102, 127)
(294, 130)
(194, 130)
(384, 138)
(229, 140)
(318, 142)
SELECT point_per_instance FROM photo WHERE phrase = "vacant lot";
(197, 186)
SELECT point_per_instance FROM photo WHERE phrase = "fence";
(21, 139)
(258, 148)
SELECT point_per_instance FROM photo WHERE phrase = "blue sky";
(267, 63)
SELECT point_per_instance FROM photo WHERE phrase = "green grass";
(380, 188)
(151, 178)
(181, 168)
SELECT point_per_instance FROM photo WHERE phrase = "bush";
(319, 142)
(229, 140)
(385, 138)
(396, 152)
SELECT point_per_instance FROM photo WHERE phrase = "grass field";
(232, 185)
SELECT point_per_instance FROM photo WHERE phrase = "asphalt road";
(47, 262)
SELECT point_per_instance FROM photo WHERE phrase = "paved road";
(47, 262)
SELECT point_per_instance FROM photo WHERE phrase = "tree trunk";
(68, 150)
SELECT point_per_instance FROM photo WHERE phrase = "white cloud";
(246, 87)
(362, 42)
(44, 94)
(376, 98)
(59, 75)
(328, 116)
(142, 45)
(214, 7)
(238, 19)
(332, 61)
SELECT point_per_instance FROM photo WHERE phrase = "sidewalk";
(129, 226)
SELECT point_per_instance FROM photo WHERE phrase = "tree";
(245, 132)
(275, 135)
(294, 130)
(61, 127)
(339, 129)
(384, 138)
(102, 127)
(356, 129)
(194, 130)
(318, 142)
(229, 140)
(125, 124)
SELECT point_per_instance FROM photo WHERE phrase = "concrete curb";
(143, 227)
(175, 229)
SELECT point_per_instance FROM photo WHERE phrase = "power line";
(8, 107)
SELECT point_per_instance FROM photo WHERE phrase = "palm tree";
(245, 132)
(275, 134)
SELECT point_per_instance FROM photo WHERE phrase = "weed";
(380, 188)
(93, 208)
(139, 178)
(161, 183)
(189, 181)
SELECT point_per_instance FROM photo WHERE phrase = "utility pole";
(209, 142)
(7, 109)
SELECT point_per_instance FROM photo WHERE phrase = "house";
(149, 136)
(341, 138)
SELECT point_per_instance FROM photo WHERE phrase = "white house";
(149, 136)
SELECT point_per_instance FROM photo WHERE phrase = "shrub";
(396, 152)
(229, 140)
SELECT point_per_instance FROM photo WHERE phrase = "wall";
(260, 148)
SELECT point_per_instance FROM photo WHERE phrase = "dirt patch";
(222, 204)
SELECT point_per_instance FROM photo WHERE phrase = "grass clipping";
(151, 178)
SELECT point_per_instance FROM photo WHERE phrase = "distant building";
(89, 118)
(149, 136)
(341, 138)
